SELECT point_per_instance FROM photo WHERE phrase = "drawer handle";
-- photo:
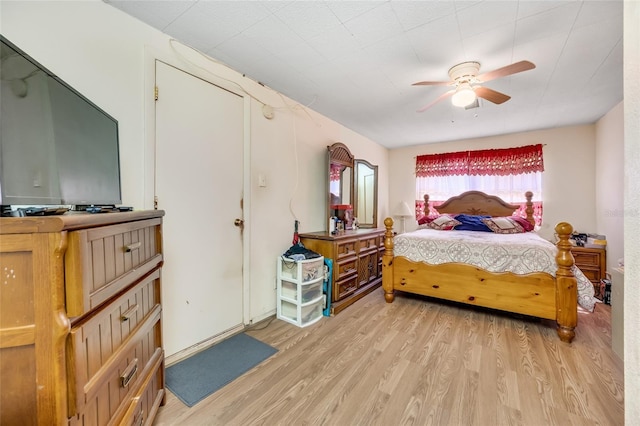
(132, 246)
(128, 373)
(128, 313)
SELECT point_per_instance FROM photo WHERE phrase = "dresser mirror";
(353, 188)
(366, 194)
(340, 202)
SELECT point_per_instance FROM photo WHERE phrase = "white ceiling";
(355, 61)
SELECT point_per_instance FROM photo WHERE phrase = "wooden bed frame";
(536, 294)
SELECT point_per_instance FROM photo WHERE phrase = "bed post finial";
(566, 285)
(387, 261)
(529, 209)
(425, 210)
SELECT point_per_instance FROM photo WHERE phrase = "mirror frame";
(338, 153)
(361, 222)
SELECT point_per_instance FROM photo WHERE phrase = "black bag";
(299, 252)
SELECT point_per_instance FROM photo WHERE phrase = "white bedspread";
(517, 253)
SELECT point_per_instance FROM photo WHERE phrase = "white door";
(199, 171)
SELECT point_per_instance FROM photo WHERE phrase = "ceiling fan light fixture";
(464, 96)
(464, 75)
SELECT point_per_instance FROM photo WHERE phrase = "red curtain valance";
(500, 162)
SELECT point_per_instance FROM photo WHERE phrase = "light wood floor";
(421, 362)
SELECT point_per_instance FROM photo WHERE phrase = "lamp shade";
(403, 210)
(464, 96)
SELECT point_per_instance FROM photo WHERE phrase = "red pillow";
(508, 225)
(426, 219)
(443, 222)
(524, 223)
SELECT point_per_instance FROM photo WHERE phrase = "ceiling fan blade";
(433, 83)
(491, 95)
(445, 95)
(505, 71)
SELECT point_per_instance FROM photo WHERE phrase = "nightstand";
(592, 262)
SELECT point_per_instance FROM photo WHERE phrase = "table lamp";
(403, 211)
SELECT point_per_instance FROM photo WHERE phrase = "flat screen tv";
(56, 147)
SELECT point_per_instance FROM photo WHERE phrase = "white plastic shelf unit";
(300, 296)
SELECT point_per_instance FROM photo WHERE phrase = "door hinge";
(155, 202)
(155, 93)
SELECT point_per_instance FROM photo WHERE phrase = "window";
(507, 173)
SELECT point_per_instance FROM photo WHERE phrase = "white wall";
(609, 173)
(108, 57)
(567, 183)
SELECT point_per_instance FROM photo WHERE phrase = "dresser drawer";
(344, 268)
(592, 274)
(369, 243)
(586, 259)
(346, 249)
(107, 353)
(140, 407)
(143, 406)
(345, 287)
(101, 262)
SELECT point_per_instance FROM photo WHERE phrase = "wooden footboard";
(537, 294)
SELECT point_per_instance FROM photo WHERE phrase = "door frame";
(195, 64)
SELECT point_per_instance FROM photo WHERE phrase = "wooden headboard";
(479, 203)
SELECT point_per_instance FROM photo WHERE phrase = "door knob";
(239, 223)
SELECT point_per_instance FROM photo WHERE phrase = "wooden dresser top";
(324, 235)
(70, 221)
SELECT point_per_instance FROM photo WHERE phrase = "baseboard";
(263, 317)
(186, 353)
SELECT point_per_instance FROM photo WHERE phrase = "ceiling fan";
(466, 82)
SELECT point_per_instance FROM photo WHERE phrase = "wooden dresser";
(80, 319)
(592, 262)
(357, 262)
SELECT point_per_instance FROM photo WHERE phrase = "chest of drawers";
(81, 317)
(357, 262)
(592, 262)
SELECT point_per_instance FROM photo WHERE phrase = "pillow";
(524, 223)
(426, 219)
(504, 225)
(471, 223)
(443, 222)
